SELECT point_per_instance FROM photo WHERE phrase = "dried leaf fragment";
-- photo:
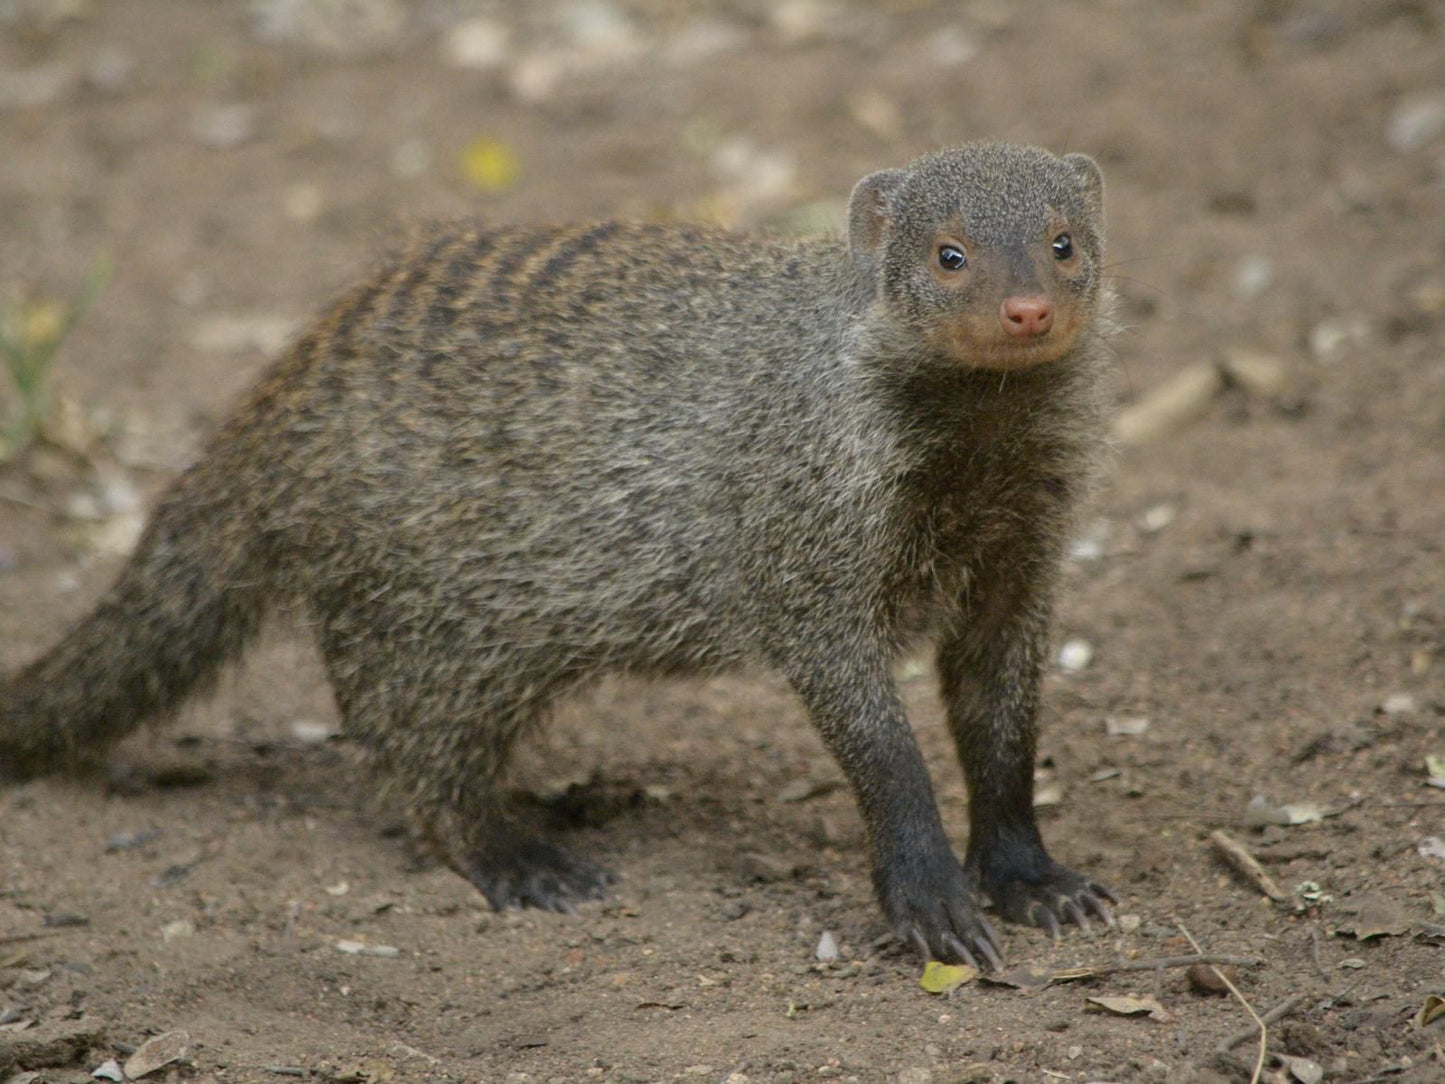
(157, 1053)
(1023, 977)
(1431, 847)
(1131, 1006)
(1260, 814)
(1376, 916)
(1433, 1009)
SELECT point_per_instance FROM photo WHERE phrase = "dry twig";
(1263, 1027)
(1238, 856)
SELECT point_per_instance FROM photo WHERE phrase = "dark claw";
(1099, 907)
(1039, 915)
(994, 949)
(1075, 914)
(995, 959)
(960, 951)
(920, 944)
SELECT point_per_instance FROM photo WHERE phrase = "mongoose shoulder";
(516, 459)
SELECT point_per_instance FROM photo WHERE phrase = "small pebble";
(534, 78)
(361, 948)
(1431, 847)
(1089, 546)
(1415, 124)
(109, 70)
(1075, 655)
(1205, 979)
(303, 202)
(877, 113)
(355, 26)
(1157, 516)
(1125, 726)
(760, 174)
(479, 44)
(1256, 372)
(601, 29)
(952, 47)
(27, 88)
(223, 126)
(125, 841)
(1399, 704)
(263, 333)
(701, 39)
(1329, 338)
(311, 731)
(827, 950)
(1047, 794)
(796, 21)
(763, 868)
(1253, 275)
(410, 158)
(108, 1070)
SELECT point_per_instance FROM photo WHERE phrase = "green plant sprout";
(31, 334)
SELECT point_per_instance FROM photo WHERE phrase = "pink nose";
(1026, 317)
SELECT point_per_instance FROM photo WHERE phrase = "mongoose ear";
(870, 214)
(1091, 178)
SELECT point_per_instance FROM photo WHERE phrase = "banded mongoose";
(516, 459)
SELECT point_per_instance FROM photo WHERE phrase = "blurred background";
(1255, 606)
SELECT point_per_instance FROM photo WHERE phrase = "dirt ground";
(1262, 582)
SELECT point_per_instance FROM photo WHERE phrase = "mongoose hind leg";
(513, 869)
(441, 728)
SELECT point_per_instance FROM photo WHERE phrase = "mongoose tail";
(186, 602)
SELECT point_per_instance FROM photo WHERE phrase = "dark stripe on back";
(567, 254)
(420, 265)
(355, 313)
(504, 271)
(460, 272)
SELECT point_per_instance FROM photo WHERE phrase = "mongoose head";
(989, 253)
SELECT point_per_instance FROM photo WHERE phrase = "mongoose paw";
(1051, 898)
(529, 873)
(939, 913)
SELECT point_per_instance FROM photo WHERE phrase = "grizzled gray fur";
(517, 459)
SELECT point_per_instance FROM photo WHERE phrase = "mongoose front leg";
(990, 680)
(927, 895)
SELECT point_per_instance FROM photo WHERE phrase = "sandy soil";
(1262, 581)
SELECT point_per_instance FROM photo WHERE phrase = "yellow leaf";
(489, 165)
(945, 978)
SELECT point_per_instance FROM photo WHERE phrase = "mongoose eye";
(1063, 246)
(951, 258)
